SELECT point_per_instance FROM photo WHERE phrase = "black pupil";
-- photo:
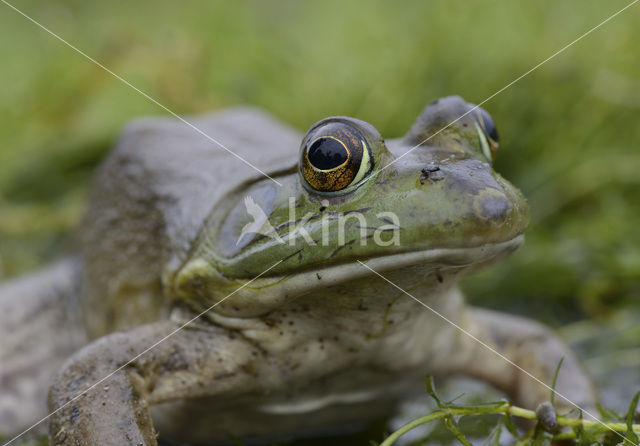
(327, 153)
(489, 126)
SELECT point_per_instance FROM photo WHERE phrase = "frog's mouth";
(429, 262)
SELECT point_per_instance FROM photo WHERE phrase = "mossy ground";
(570, 131)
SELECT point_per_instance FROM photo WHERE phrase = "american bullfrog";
(218, 300)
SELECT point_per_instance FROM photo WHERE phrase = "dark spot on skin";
(432, 173)
(75, 413)
(176, 360)
(439, 277)
(196, 283)
(269, 322)
(318, 276)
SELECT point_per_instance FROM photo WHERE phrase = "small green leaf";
(493, 439)
(513, 430)
(631, 436)
(555, 379)
(541, 437)
(453, 427)
(431, 390)
(611, 439)
(608, 414)
(584, 438)
(579, 428)
(451, 401)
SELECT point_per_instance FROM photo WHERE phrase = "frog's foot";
(536, 353)
(38, 330)
(154, 363)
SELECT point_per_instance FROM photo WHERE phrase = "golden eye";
(334, 156)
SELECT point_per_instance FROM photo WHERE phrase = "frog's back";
(151, 196)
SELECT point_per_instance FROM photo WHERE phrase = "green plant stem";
(508, 409)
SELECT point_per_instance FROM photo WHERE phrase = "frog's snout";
(465, 200)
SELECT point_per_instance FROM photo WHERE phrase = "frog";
(289, 286)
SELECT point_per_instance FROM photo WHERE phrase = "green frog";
(305, 291)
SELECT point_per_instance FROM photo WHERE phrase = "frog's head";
(429, 202)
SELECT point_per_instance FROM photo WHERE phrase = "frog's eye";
(334, 156)
(488, 133)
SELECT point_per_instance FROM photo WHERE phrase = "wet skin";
(316, 344)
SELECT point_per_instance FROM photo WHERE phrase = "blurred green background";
(570, 131)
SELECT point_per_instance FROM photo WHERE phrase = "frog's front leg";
(191, 362)
(533, 348)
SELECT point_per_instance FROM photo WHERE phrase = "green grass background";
(570, 131)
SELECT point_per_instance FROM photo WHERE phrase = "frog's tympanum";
(301, 339)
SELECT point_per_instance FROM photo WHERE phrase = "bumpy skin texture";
(40, 326)
(320, 343)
